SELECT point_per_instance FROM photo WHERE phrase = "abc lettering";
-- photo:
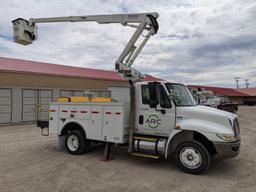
(153, 121)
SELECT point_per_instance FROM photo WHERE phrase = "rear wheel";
(192, 157)
(75, 142)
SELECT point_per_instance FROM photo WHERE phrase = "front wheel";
(192, 157)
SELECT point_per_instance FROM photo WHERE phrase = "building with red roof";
(27, 87)
(15, 66)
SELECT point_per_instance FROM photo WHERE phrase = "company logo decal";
(153, 121)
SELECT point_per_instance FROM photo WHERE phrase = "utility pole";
(237, 80)
(247, 83)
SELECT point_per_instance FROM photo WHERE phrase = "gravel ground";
(31, 162)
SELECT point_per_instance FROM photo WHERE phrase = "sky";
(203, 42)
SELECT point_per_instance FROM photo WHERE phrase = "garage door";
(29, 104)
(44, 99)
(35, 104)
(5, 105)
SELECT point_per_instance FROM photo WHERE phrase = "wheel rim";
(73, 142)
(190, 157)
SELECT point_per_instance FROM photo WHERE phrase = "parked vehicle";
(165, 125)
(222, 103)
(156, 119)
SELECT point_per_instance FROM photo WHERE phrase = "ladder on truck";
(25, 33)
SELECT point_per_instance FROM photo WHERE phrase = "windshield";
(181, 95)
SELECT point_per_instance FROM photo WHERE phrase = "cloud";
(199, 42)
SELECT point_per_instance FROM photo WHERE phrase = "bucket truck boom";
(25, 32)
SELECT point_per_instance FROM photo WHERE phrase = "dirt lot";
(31, 162)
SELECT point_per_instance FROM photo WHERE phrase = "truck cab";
(192, 133)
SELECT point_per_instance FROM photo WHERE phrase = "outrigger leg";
(107, 152)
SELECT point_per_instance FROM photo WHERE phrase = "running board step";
(145, 155)
(145, 138)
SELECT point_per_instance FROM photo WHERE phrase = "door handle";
(144, 109)
(161, 110)
(141, 119)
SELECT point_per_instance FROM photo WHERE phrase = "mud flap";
(61, 143)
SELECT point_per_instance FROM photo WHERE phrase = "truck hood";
(205, 113)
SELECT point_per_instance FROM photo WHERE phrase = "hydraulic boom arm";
(25, 32)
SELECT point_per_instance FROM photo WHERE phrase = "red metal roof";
(221, 90)
(152, 78)
(248, 91)
(33, 67)
(23, 66)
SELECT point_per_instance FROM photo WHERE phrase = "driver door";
(158, 121)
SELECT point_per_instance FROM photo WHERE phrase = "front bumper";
(227, 150)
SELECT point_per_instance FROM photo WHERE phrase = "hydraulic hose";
(154, 22)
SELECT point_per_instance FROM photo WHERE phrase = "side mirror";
(152, 103)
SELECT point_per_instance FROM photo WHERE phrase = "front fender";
(206, 128)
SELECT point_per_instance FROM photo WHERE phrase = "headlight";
(226, 137)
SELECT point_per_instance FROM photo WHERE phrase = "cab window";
(145, 94)
(164, 99)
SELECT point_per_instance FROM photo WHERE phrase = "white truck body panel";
(53, 119)
(101, 121)
(122, 95)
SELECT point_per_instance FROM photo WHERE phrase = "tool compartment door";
(113, 124)
(95, 130)
(53, 119)
(83, 112)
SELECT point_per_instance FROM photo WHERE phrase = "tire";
(192, 157)
(75, 143)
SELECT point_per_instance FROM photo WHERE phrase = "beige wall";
(44, 81)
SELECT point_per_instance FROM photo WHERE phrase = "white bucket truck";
(155, 119)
